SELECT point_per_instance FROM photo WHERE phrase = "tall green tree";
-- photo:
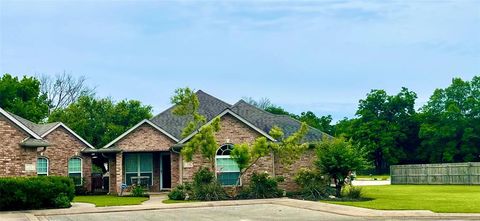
(450, 129)
(100, 121)
(387, 125)
(23, 97)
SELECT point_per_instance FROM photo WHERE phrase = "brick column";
(112, 179)
(119, 172)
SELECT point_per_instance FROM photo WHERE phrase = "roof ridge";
(216, 98)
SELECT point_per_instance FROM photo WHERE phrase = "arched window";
(75, 170)
(228, 172)
(42, 166)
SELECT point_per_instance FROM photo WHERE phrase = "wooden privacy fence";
(445, 173)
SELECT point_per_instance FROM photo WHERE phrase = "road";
(231, 213)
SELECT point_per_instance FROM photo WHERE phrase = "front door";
(165, 171)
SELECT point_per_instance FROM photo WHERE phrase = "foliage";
(63, 90)
(262, 186)
(313, 185)
(99, 121)
(21, 193)
(351, 192)
(437, 198)
(138, 191)
(23, 97)
(206, 188)
(450, 129)
(387, 126)
(186, 104)
(181, 192)
(287, 149)
(110, 200)
(338, 158)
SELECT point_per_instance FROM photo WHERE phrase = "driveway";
(230, 213)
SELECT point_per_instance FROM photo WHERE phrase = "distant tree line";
(68, 99)
(445, 129)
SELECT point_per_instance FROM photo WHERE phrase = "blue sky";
(304, 55)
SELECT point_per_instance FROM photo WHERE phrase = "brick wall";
(233, 131)
(65, 146)
(145, 138)
(289, 171)
(13, 157)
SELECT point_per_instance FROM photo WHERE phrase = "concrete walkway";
(155, 203)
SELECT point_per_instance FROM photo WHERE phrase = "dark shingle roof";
(39, 129)
(210, 107)
(265, 120)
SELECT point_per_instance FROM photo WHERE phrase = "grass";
(169, 201)
(437, 198)
(372, 177)
(109, 200)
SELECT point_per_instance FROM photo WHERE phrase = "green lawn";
(372, 177)
(109, 200)
(437, 198)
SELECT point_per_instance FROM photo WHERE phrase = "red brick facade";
(14, 159)
(145, 138)
(64, 147)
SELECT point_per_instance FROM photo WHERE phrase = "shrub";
(313, 185)
(20, 193)
(138, 191)
(352, 192)
(262, 186)
(206, 188)
(180, 192)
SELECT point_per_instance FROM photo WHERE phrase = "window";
(75, 170)
(42, 166)
(138, 169)
(228, 172)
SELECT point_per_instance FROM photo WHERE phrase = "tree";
(23, 97)
(322, 123)
(63, 90)
(288, 150)
(186, 104)
(262, 103)
(450, 129)
(100, 121)
(387, 125)
(338, 158)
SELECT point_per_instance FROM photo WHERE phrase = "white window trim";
(48, 166)
(139, 172)
(217, 171)
(81, 169)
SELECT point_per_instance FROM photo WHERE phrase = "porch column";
(118, 172)
(112, 177)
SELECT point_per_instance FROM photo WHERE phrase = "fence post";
(469, 171)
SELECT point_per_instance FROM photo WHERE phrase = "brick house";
(148, 153)
(29, 149)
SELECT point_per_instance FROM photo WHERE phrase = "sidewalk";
(155, 203)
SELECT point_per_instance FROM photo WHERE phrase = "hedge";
(20, 193)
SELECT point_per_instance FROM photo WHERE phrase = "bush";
(138, 191)
(262, 186)
(206, 188)
(352, 192)
(181, 192)
(20, 193)
(313, 185)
